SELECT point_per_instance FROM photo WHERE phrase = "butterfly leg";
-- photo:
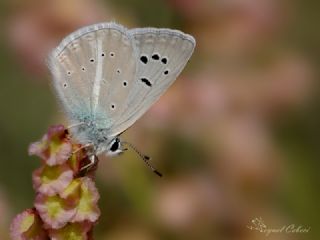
(89, 145)
(75, 125)
(93, 160)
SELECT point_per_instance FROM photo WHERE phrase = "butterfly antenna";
(145, 158)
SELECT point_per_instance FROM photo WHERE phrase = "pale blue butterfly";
(107, 76)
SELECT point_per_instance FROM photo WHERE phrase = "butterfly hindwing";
(162, 55)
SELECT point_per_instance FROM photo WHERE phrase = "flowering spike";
(54, 148)
(72, 231)
(66, 198)
(87, 208)
(54, 211)
(72, 193)
(51, 180)
(27, 225)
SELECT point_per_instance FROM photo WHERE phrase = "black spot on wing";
(164, 60)
(155, 56)
(144, 59)
(146, 81)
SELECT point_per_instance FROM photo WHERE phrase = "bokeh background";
(236, 137)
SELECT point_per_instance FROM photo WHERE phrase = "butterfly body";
(107, 76)
(90, 133)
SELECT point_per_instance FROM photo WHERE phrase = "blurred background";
(236, 137)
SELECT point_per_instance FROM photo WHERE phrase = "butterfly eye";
(115, 146)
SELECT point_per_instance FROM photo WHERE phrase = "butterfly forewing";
(93, 69)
